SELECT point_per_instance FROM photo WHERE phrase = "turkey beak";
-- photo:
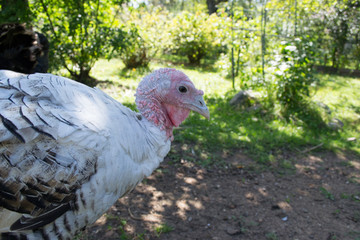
(200, 107)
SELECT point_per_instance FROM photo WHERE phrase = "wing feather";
(27, 223)
(48, 148)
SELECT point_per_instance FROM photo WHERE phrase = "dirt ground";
(317, 197)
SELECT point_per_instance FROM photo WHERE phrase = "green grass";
(262, 135)
(271, 236)
(327, 194)
(341, 94)
(163, 228)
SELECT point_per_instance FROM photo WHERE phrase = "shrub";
(80, 32)
(135, 53)
(195, 36)
(145, 35)
(240, 46)
(293, 74)
(293, 81)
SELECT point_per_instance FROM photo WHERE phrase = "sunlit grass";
(341, 95)
(261, 135)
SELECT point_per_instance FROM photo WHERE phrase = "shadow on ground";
(319, 200)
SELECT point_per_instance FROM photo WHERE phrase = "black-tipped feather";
(25, 223)
(12, 128)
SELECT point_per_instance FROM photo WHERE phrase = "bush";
(146, 35)
(80, 32)
(195, 36)
(241, 48)
(293, 81)
(134, 53)
(293, 74)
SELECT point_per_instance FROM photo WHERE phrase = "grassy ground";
(261, 134)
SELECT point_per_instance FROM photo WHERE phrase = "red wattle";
(176, 114)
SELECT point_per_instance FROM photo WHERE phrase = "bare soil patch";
(317, 197)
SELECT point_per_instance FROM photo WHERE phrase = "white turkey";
(68, 151)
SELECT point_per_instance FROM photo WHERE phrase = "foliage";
(271, 236)
(163, 228)
(80, 32)
(237, 44)
(293, 74)
(196, 36)
(83, 31)
(15, 11)
(335, 27)
(134, 53)
(173, 6)
(327, 194)
(333, 24)
(145, 35)
(357, 56)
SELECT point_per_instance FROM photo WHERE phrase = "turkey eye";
(182, 89)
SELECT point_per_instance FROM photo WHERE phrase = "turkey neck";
(152, 108)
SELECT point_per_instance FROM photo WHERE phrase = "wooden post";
(232, 46)
(295, 24)
(263, 38)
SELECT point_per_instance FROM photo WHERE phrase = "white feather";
(76, 134)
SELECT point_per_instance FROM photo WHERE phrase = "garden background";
(279, 161)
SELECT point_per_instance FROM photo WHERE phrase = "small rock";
(243, 98)
(233, 231)
(335, 124)
(282, 215)
(232, 206)
(254, 107)
(325, 107)
(240, 98)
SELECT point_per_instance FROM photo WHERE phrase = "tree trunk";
(84, 77)
(211, 4)
(325, 59)
(334, 58)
